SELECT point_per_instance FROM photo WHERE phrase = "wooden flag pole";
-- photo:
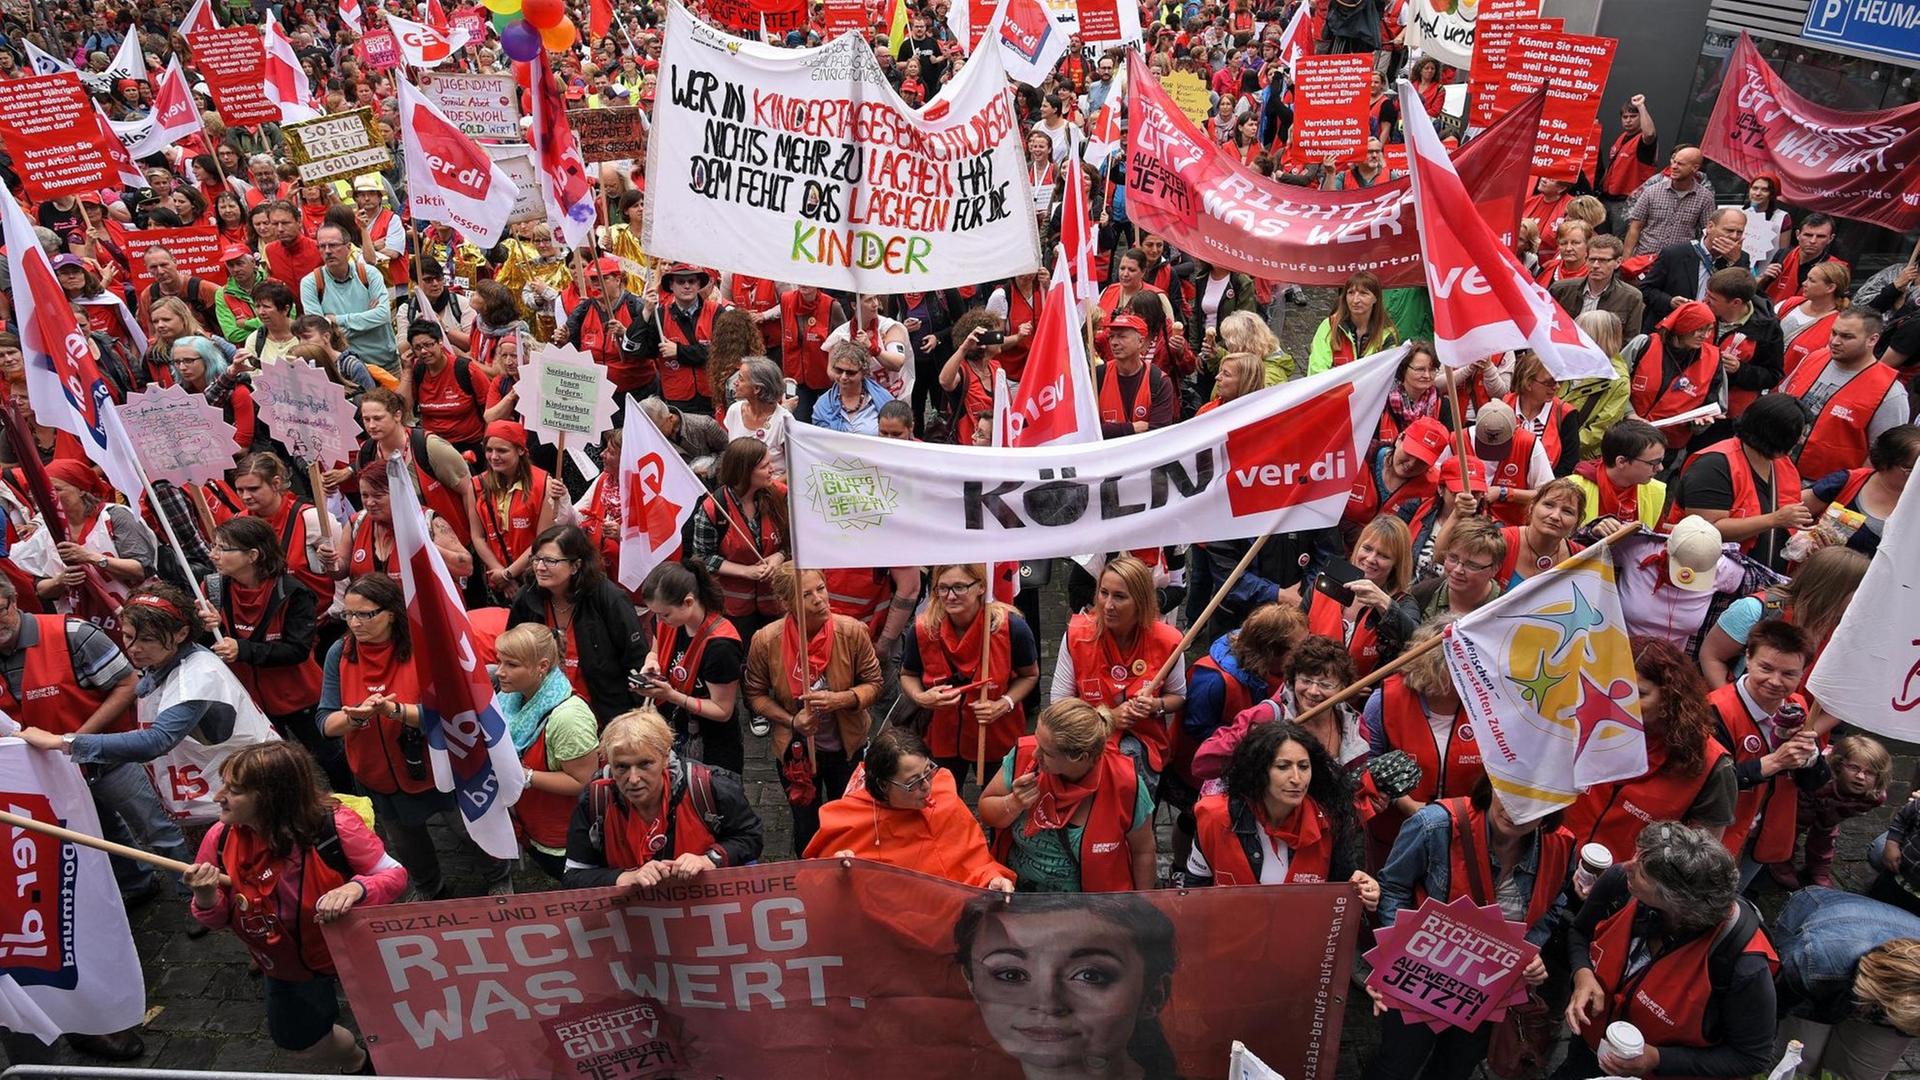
(986, 665)
(806, 661)
(320, 502)
(108, 846)
(1459, 429)
(1206, 613)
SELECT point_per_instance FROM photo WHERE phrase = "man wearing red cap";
(599, 325)
(1133, 396)
(235, 308)
(679, 334)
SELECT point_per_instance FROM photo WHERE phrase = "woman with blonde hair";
(656, 816)
(1369, 614)
(940, 668)
(554, 733)
(1806, 320)
(1110, 656)
(1245, 331)
(1241, 373)
(170, 320)
(1813, 601)
(1599, 403)
(1849, 982)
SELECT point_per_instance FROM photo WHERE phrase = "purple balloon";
(521, 40)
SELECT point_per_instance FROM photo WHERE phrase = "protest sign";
(805, 166)
(748, 16)
(308, 413)
(1292, 451)
(1330, 109)
(1493, 55)
(67, 961)
(1871, 675)
(563, 391)
(687, 979)
(49, 128)
(379, 50)
(846, 16)
(483, 106)
(1442, 29)
(336, 145)
(196, 250)
(517, 163)
(473, 20)
(179, 436)
(233, 60)
(1191, 95)
(1105, 23)
(1573, 68)
(1856, 165)
(1180, 185)
(616, 134)
(1451, 964)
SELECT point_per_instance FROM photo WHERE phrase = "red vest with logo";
(1812, 338)
(861, 594)
(373, 751)
(1137, 408)
(1667, 999)
(1839, 436)
(1328, 618)
(1687, 391)
(803, 338)
(362, 557)
(1625, 171)
(1775, 801)
(1614, 814)
(1213, 834)
(47, 679)
(684, 675)
(1746, 495)
(258, 615)
(1404, 719)
(1513, 471)
(1737, 344)
(1103, 677)
(396, 266)
(290, 524)
(756, 295)
(1021, 309)
(286, 949)
(512, 534)
(1106, 861)
(680, 382)
(624, 837)
(952, 732)
(739, 595)
(542, 815)
(1549, 438)
(603, 343)
(1556, 856)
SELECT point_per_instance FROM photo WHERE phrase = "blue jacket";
(1821, 935)
(830, 414)
(1206, 691)
(1422, 857)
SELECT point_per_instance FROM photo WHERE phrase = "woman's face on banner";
(1059, 990)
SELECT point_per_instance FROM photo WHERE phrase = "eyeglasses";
(954, 590)
(918, 783)
(1653, 462)
(361, 616)
(1325, 686)
(1455, 562)
(548, 562)
(225, 549)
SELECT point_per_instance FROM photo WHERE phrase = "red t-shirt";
(446, 409)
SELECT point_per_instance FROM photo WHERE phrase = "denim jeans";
(131, 813)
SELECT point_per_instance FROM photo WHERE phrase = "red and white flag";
(449, 177)
(64, 385)
(1484, 301)
(199, 18)
(175, 115)
(1103, 133)
(286, 81)
(350, 14)
(1002, 578)
(129, 174)
(437, 16)
(468, 746)
(1293, 40)
(564, 185)
(658, 494)
(1054, 402)
(1079, 241)
(425, 46)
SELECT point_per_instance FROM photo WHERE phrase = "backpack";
(462, 374)
(319, 279)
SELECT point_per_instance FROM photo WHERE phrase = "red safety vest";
(1021, 309)
(509, 536)
(1625, 171)
(1667, 999)
(1104, 677)
(1653, 401)
(604, 343)
(1775, 801)
(803, 338)
(1737, 344)
(1213, 834)
(1746, 495)
(757, 295)
(282, 689)
(48, 680)
(1136, 408)
(1328, 618)
(624, 837)
(952, 732)
(1614, 814)
(285, 949)
(1365, 502)
(1839, 439)
(1106, 861)
(1513, 471)
(1556, 856)
(373, 751)
(290, 524)
(684, 675)
(680, 382)
(744, 596)
(1788, 281)
(861, 594)
(1443, 774)
(1549, 439)
(542, 815)
(434, 495)
(1811, 339)
(362, 558)
(377, 230)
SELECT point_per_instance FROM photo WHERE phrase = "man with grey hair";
(1664, 945)
(698, 438)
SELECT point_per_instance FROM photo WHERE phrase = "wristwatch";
(717, 858)
(66, 744)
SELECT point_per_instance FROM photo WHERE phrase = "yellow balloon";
(560, 36)
(501, 7)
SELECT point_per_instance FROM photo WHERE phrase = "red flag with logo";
(1078, 239)
(658, 494)
(563, 172)
(449, 177)
(1054, 402)
(599, 18)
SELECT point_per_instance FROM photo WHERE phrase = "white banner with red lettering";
(1292, 450)
(1869, 675)
(449, 177)
(803, 165)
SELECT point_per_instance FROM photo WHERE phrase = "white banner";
(67, 962)
(803, 165)
(483, 106)
(1293, 450)
(1869, 674)
(1442, 31)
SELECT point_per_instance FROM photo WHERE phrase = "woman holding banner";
(1468, 847)
(941, 669)
(1112, 658)
(295, 859)
(1417, 710)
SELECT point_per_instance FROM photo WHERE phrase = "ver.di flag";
(564, 186)
(449, 177)
(1484, 301)
(1869, 673)
(467, 742)
(1545, 675)
(658, 494)
(286, 81)
(67, 961)
(1054, 402)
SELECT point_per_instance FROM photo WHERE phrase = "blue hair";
(211, 354)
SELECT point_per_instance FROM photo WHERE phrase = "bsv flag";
(1546, 676)
(467, 741)
(1869, 674)
(67, 962)
(657, 496)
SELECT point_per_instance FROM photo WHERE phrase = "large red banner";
(1206, 204)
(1857, 165)
(1493, 55)
(57, 145)
(1330, 109)
(831, 969)
(747, 16)
(196, 250)
(1572, 69)
(233, 61)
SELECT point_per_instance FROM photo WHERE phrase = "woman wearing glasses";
(1475, 548)
(656, 816)
(940, 669)
(599, 632)
(1317, 669)
(904, 810)
(1070, 813)
(370, 700)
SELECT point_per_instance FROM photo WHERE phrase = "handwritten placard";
(308, 412)
(336, 145)
(608, 134)
(564, 392)
(1192, 95)
(1455, 964)
(178, 435)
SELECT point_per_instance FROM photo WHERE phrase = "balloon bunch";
(541, 24)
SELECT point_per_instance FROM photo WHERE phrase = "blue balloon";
(521, 40)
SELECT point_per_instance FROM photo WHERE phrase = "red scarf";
(1623, 505)
(1060, 799)
(1299, 832)
(819, 654)
(255, 876)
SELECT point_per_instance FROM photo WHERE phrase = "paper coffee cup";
(1596, 857)
(1624, 1040)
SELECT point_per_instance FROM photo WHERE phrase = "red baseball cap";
(235, 251)
(1127, 320)
(604, 266)
(1425, 439)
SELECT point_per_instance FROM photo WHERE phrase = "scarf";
(1299, 832)
(1060, 799)
(527, 716)
(1622, 504)
(252, 871)
(819, 654)
(1405, 411)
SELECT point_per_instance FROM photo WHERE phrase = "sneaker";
(760, 726)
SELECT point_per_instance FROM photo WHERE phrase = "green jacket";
(1601, 404)
(234, 308)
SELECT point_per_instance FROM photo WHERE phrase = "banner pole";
(320, 501)
(799, 622)
(986, 663)
(1434, 642)
(108, 846)
(166, 524)
(1206, 613)
(1459, 428)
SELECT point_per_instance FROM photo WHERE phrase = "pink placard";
(1455, 964)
